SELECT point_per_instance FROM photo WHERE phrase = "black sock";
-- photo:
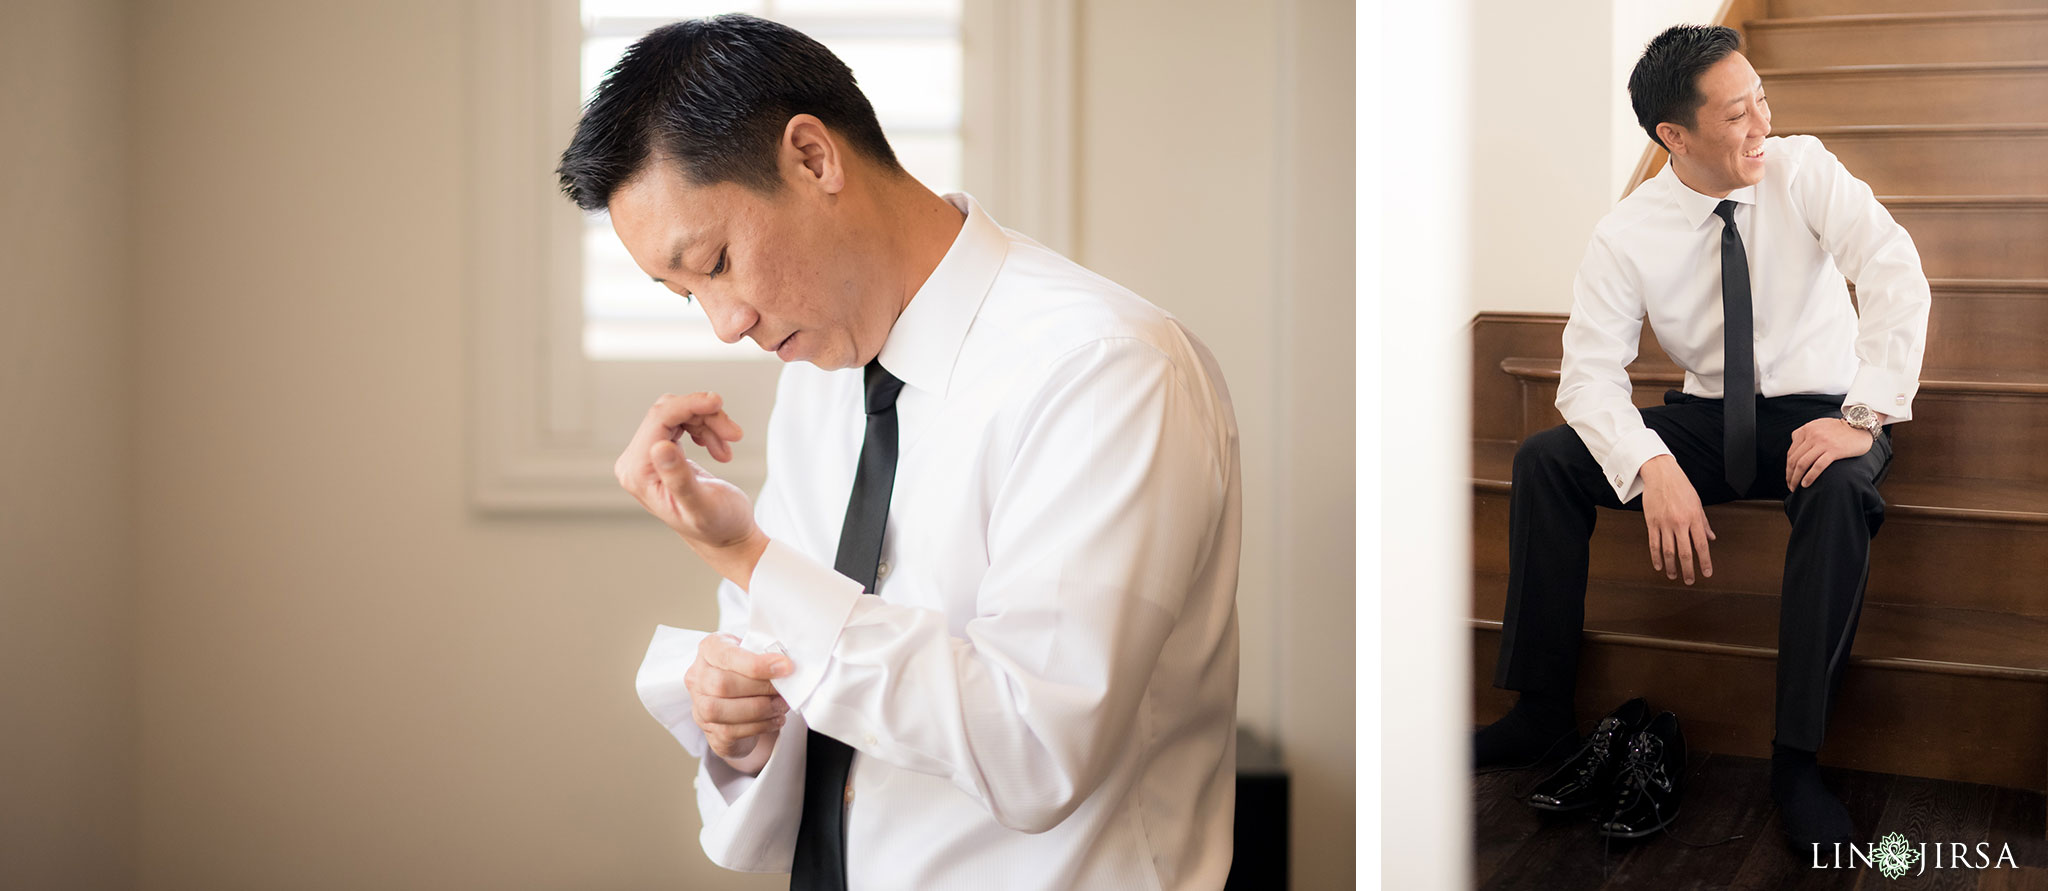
(1809, 812)
(1525, 734)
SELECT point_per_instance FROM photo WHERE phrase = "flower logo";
(1893, 855)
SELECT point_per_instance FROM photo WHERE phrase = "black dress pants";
(1557, 485)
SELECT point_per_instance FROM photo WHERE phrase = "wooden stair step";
(1945, 382)
(1990, 322)
(1987, 323)
(1942, 159)
(1977, 643)
(1986, 424)
(1785, 9)
(1956, 543)
(1976, 236)
(2001, 35)
(1943, 693)
(1921, 93)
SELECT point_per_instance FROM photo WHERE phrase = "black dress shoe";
(1648, 785)
(1586, 780)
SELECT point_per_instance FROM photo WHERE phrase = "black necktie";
(1738, 380)
(820, 863)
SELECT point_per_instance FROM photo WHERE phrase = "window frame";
(547, 423)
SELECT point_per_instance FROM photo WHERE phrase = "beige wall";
(1217, 172)
(70, 452)
(348, 680)
(1554, 138)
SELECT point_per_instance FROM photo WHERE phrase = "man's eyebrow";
(675, 257)
(1737, 100)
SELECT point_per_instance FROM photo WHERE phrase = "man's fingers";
(725, 684)
(1701, 535)
(743, 710)
(1656, 550)
(1795, 464)
(1818, 466)
(1799, 472)
(702, 415)
(759, 666)
(706, 410)
(1685, 556)
(673, 469)
(736, 732)
(1668, 543)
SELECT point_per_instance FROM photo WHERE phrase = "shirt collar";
(925, 341)
(1695, 206)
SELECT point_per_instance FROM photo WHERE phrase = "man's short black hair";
(713, 96)
(1665, 85)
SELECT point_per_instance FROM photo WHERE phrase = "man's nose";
(730, 320)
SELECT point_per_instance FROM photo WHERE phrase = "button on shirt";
(1042, 691)
(1657, 255)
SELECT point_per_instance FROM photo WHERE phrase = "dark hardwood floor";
(1518, 847)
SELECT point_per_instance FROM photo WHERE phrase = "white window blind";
(906, 56)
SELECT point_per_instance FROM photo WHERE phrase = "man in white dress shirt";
(1041, 690)
(1822, 380)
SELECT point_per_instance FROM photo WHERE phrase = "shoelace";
(1602, 744)
(1601, 741)
(1645, 765)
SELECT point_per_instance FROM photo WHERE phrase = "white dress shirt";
(1657, 254)
(1043, 692)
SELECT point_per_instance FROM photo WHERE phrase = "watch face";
(1859, 415)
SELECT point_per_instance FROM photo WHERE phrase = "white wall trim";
(1019, 125)
(546, 424)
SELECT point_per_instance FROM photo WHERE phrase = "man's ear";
(810, 156)
(1674, 138)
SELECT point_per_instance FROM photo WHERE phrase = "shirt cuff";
(1624, 463)
(660, 683)
(1886, 392)
(750, 823)
(797, 608)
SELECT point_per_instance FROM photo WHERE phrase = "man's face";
(780, 269)
(1724, 148)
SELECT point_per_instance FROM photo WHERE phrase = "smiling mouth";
(1759, 153)
(778, 344)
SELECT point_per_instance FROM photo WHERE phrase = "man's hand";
(1819, 443)
(714, 516)
(733, 703)
(1678, 524)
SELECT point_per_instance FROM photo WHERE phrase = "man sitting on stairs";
(1736, 253)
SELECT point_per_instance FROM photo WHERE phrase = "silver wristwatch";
(1861, 417)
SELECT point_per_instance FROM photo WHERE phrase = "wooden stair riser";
(2017, 37)
(1914, 561)
(1793, 9)
(1952, 434)
(1981, 162)
(1977, 241)
(1942, 726)
(1880, 97)
(1987, 329)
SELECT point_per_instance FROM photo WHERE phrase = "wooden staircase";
(1942, 107)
